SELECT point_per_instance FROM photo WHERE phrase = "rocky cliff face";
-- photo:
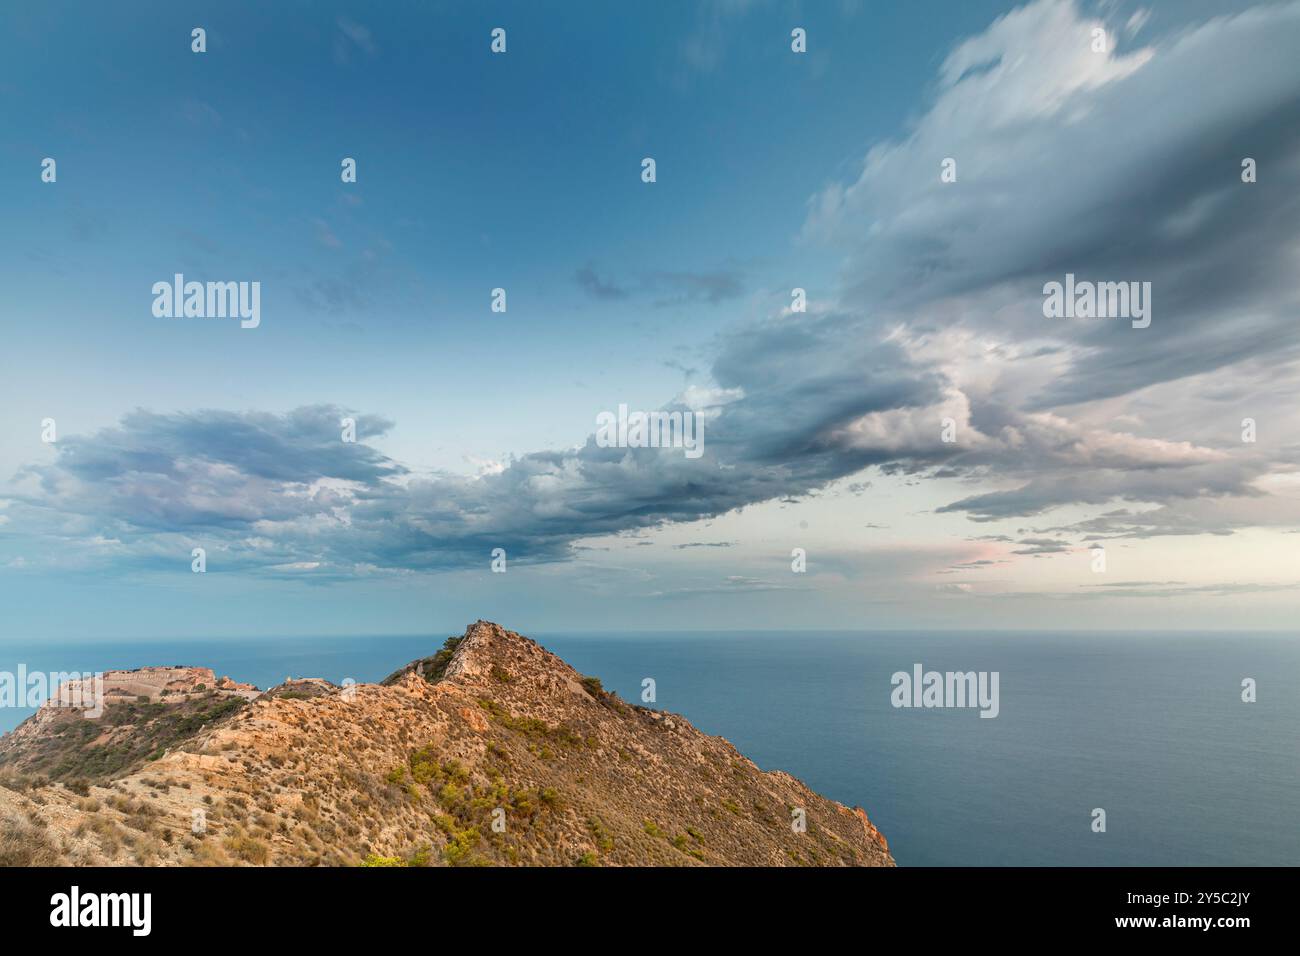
(491, 751)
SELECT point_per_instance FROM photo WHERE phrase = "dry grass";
(25, 843)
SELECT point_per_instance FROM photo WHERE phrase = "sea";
(1150, 728)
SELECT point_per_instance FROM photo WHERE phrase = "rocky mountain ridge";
(492, 751)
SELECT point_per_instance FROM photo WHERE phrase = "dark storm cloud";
(275, 487)
(1095, 164)
(301, 446)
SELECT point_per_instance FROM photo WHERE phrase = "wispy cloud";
(734, 584)
(351, 39)
(663, 288)
(597, 287)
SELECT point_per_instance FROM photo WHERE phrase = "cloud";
(283, 489)
(352, 38)
(666, 288)
(687, 287)
(325, 235)
(598, 288)
(199, 114)
(1074, 161)
(733, 584)
(268, 488)
(953, 272)
(1118, 165)
(1142, 591)
(1176, 589)
(1039, 546)
(955, 587)
(703, 48)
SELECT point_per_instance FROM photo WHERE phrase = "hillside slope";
(491, 751)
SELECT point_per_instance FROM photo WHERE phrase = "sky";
(1073, 440)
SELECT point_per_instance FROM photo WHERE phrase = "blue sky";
(522, 171)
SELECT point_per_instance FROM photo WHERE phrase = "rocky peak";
(488, 652)
(485, 644)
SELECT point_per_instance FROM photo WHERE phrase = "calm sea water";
(1150, 727)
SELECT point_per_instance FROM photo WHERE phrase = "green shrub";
(457, 852)
(420, 857)
(601, 834)
(437, 666)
